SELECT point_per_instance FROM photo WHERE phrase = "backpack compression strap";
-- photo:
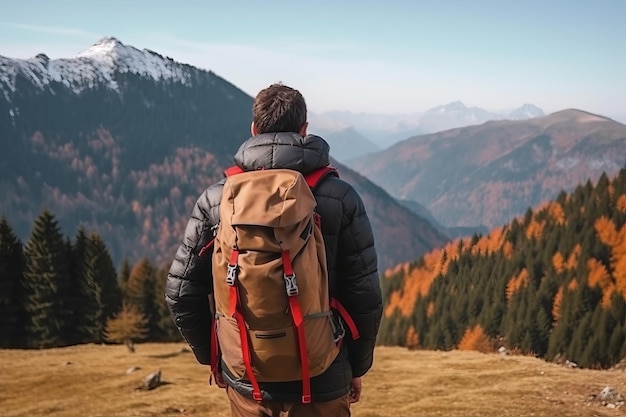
(298, 321)
(235, 311)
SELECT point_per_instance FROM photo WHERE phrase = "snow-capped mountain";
(96, 65)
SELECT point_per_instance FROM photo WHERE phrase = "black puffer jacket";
(351, 257)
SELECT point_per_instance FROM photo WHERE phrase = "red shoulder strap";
(314, 178)
(230, 171)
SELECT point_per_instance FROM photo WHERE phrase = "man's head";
(279, 108)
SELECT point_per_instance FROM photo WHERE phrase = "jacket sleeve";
(189, 282)
(359, 284)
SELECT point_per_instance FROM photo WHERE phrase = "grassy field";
(92, 381)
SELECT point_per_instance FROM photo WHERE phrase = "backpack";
(274, 318)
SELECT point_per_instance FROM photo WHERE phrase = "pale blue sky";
(363, 56)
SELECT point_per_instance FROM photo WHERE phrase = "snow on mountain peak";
(96, 65)
(103, 47)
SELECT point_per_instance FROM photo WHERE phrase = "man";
(279, 140)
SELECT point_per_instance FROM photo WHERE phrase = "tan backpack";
(274, 318)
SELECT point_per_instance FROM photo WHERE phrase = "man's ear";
(253, 129)
(303, 129)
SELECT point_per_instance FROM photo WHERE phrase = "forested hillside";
(551, 283)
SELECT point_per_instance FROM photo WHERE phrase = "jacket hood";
(284, 150)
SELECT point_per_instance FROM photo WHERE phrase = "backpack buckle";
(290, 284)
(336, 325)
(231, 275)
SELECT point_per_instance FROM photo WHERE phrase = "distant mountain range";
(490, 173)
(382, 130)
(122, 141)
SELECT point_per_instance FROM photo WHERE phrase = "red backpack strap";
(234, 170)
(298, 321)
(334, 303)
(314, 178)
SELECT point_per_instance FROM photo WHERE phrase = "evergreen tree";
(46, 277)
(168, 330)
(12, 308)
(102, 273)
(84, 295)
(124, 274)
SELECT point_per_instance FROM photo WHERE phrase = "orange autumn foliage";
(573, 285)
(558, 262)
(507, 249)
(621, 203)
(412, 338)
(476, 339)
(556, 304)
(535, 229)
(430, 310)
(517, 282)
(616, 241)
(599, 276)
(572, 261)
(489, 243)
(557, 213)
(417, 281)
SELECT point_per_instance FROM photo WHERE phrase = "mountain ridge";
(120, 145)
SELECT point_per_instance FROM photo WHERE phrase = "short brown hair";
(279, 108)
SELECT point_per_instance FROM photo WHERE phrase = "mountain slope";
(490, 173)
(123, 141)
(551, 283)
(400, 234)
(345, 143)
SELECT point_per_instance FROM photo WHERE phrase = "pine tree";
(124, 274)
(47, 277)
(84, 294)
(12, 308)
(102, 272)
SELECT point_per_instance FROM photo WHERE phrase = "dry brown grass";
(91, 380)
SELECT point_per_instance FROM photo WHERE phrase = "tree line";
(551, 283)
(56, 291)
